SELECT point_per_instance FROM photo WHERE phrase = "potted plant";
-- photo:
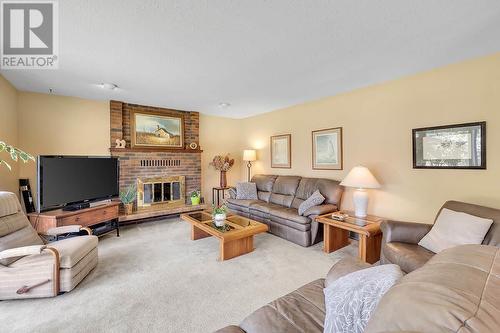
(15, 154)
(128, 197)
(222, 164)
(219, 215)
(195, 197)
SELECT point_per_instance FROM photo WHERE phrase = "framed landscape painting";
(156, 130)
(281, 151)
(327, 149)
(461, 146)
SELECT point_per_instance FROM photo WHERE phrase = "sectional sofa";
(457, 290)
(277, 206)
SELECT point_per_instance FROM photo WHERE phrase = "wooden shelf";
(145, 213)
(154, 150)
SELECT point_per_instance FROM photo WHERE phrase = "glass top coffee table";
(235, 237)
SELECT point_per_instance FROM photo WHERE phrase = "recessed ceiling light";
(224, 105)
(108, 86)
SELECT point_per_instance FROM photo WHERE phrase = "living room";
(312, 128)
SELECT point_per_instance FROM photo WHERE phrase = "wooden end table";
(234, 241)
(216, 191)
(336, 234)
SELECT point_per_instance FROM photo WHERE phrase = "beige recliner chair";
(29, 268)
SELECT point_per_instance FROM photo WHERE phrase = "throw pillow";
(246, 191)
(455, 228)
(315, 199)
(351, 299)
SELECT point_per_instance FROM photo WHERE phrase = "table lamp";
(360, 178)
(249, 155)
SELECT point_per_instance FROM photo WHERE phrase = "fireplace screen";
(160, 190)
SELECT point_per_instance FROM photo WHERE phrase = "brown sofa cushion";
(284, 190)
(243, 205)
(264, 185)
(329, 188)
(264, 182)
(289, 214)
(300, 311)
(263, 207)
(407, 256)
(456, 291)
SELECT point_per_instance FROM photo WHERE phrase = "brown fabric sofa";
(400, 239)
(457, 290)
(278, 200)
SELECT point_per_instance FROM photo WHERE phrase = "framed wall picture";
(461, 146)
(327, 149)
(156, 130)
(281, 151)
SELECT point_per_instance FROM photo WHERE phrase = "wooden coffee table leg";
(334, 238)
(235, 247)
(197, 233)
(369, 248)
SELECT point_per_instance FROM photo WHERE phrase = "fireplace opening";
(160, 191)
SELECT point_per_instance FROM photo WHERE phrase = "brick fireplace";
(144, 163)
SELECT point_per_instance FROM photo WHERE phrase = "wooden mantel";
(156, 150)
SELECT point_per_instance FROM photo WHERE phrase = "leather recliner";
(400, 239)
(30, 268)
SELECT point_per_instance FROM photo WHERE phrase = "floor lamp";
(249, 155)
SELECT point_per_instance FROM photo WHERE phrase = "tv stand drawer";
(84, 217)
(90, 218)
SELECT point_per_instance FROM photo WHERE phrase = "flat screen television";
(67, 181)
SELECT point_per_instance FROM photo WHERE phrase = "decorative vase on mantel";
(223, 179)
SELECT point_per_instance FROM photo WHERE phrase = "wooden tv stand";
(87, 217)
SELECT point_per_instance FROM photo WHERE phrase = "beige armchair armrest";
(32, 250)
(320, 210)
(22, 251)
(404, 232)
(67, 229)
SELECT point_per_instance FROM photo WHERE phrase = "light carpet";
(155, 279)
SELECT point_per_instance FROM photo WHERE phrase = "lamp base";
(360, 199)
(249, 166)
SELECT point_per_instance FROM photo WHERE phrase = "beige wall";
(377, 123)
(59, 125)
(8, 134)
(219, 136)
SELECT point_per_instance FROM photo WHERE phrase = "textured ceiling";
(257, 55)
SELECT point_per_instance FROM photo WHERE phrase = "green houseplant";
(219, 214)
(195, 197)
(15, 155)
(128, 197)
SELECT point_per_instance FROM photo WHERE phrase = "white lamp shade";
(249, 155)
(360, 177)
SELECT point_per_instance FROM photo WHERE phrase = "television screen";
(65, 180)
